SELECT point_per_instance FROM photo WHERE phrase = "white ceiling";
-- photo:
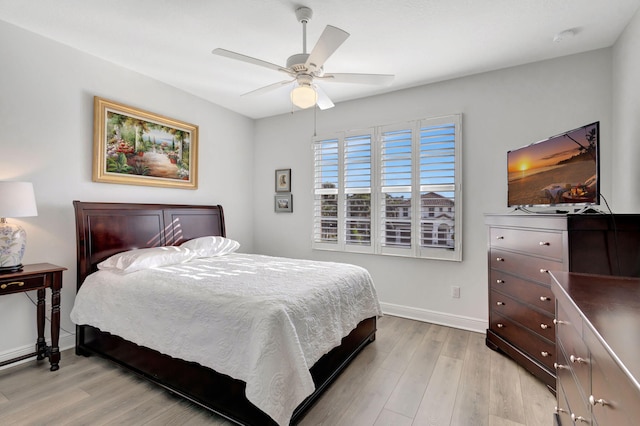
(420, 41)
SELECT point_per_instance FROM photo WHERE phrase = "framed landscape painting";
(136, 147)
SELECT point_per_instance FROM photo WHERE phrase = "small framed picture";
(283, 203)
(283, 180)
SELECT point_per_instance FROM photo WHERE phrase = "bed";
(106, 229)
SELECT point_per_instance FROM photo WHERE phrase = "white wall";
(46, 117)
(626, 118)
(501, 110)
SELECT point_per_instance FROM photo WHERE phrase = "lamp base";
(10, 269)
(13, 241)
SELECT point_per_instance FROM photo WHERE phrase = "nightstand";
(38, 277)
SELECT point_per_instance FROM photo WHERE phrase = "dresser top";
(566, 222)
(610, 307)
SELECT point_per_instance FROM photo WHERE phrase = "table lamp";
(16, 200)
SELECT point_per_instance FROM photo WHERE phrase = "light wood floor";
(413, 374)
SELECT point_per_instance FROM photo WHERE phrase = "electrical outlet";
(455, 291)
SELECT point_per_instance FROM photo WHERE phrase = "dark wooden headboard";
(104, 229)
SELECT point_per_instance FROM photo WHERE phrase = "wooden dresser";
(522, 249)
(598, 341)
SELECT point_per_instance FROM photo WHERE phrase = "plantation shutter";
(437, 185)
(326, 184)
(357, 183)
(396, 188)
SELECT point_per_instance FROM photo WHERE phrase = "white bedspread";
(264, 320)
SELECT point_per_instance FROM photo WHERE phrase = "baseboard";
(66, 341)
(440, 318)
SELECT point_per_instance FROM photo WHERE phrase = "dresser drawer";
(15, 285)
(567, 316)
(619, 405)
(537, 347)
(577, 355)
(576, 402)
(562, 407)
(613, 404)
(540, 243)
(533, 320)
(527, 292)
(529, 267)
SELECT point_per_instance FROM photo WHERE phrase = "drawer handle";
(544, 271)
(593, 401)
(500, 237)
(500, 281)
(559, 366)
(500, 325)
(18, 283)
(559, 410)
(500, 259)
(500, 303)
(544, 243)
(577, 359)
(578, 418)
(544, 326)
(545, 298)
(544, 354)
(558, 322)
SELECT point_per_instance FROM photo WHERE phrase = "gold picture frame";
(136, 147)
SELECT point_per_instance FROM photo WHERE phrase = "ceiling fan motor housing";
(297, 62)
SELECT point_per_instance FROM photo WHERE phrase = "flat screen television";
(561, 170)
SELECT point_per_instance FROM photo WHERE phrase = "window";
(391, 190)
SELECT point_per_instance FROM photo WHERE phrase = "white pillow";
(211, 246)
(137, 259)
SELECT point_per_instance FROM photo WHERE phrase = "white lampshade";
(17, 199)
(304, 96)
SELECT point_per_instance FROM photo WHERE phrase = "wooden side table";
(38, 277)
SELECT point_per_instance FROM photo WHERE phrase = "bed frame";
(103, 229)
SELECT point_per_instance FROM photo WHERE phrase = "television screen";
(560, 170)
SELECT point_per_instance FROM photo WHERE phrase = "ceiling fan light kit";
(304, 97)
(304, 67)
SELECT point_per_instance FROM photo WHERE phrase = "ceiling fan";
(305, 68)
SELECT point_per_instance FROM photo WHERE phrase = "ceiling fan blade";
(323, 101)
(267, 89)
(249, 59)
(380, 79)
(330, 39)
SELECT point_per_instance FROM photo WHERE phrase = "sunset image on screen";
(562, 169)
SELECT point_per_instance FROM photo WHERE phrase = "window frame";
(377, 234)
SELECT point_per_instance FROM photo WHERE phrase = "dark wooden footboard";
(209, 389)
